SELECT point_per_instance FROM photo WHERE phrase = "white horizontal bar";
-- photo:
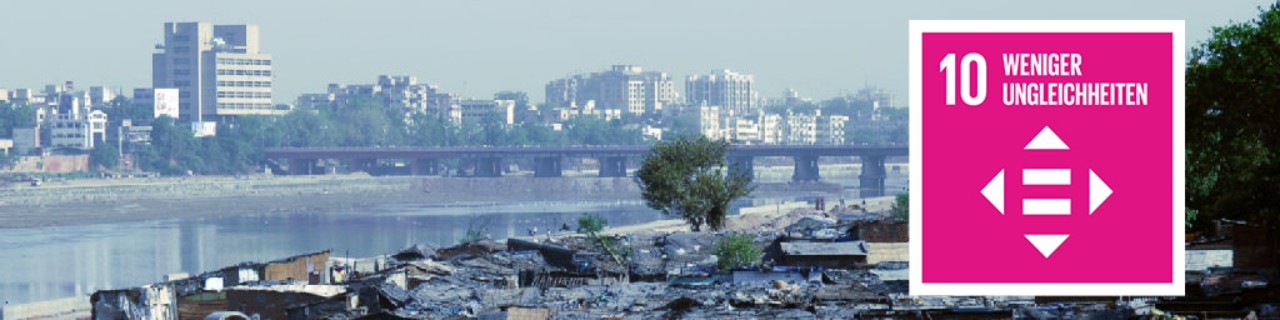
(1046, 206)
(1046, 177)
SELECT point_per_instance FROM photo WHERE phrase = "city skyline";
(820, 49)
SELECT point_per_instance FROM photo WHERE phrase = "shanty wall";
(837, 262)
(196, 307)
(295, 268)
(63, 164)
(882, 231)
(268, 305)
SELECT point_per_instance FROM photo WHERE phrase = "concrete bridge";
(548, 160)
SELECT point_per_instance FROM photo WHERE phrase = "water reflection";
(50, 263)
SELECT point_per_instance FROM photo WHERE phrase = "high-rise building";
(219, 70)
(726, 89)
(624, 87)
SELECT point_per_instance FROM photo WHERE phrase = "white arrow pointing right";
(1098, 191)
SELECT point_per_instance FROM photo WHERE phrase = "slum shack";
(842, 255)
(271, 301)
(304, 268)
(146, 302)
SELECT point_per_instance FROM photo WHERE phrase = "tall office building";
(218, 70)
(726, 89)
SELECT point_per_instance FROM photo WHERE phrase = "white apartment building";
(77, 130)
(771, 129)
(743, 130)
(479, 110)
(802, 128)
(404, 92)
(831, 129)
(625, 87)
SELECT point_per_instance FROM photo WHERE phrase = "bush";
(736, 250)
(902, 207)
(591, 224)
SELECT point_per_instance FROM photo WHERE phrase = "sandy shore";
(743, 222)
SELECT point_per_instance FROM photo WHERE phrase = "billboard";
(166, 102)
(204, 128)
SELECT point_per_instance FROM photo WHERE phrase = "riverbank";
(99, 201)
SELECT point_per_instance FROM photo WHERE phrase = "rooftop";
(847, 248)
(326, 291)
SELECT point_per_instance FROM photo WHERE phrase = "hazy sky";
(475, 48)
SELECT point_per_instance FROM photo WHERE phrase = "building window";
(181, 72)
(181, 61)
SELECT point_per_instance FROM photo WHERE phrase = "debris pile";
(814, 267)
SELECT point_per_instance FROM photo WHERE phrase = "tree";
(15, 116)
(1232, 107)
(105, 156)
(689, 177)
(736, 250)
(902, 206)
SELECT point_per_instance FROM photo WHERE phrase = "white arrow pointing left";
(994, 191)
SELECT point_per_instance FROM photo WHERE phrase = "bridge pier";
(488, 167)
(301, 166)
(806, 168)
(547, 167)
(366, 165)
(424, 167)
(743, 164)
(871, 180)
(613, 167)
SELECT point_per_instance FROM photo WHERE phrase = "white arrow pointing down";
(1047, 243)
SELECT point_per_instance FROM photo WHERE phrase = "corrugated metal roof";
(846, 248)
(757, 276)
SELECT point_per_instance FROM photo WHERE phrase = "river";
(58, 262)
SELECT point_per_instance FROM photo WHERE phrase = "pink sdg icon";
(1046, 141)
(1047, 158)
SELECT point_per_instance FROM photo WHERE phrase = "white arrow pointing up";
(1046, 140)
(994, 191)
(1047, 243)
(1098, 191)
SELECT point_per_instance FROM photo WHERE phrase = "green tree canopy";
(1233, 106)
(689, 177)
